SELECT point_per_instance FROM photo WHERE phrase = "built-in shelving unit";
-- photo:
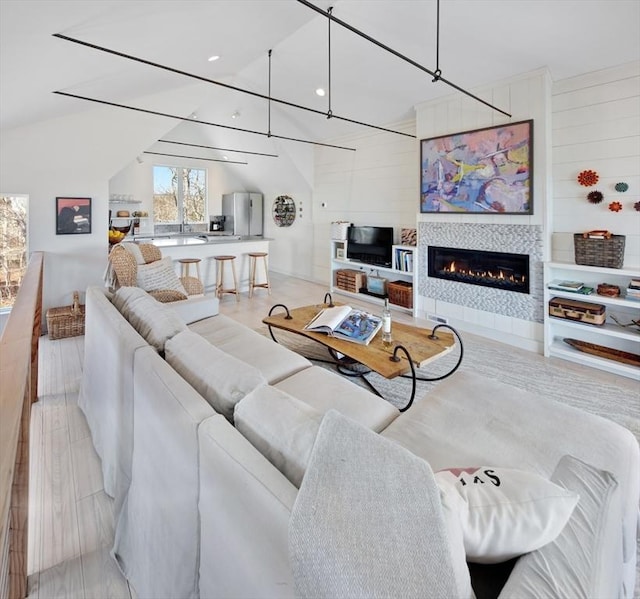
(610, 334)
(402, 269)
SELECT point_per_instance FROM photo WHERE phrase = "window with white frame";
(179, 195)
(13, 247)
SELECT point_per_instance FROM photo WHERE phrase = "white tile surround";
(514, 318)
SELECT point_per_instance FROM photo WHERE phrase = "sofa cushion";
(368, 522)
(471, 419)
(325, 390)
(159, 275)
(155, 321)
(504, 512)
(281, 427)
(559, 569)
(220, 378)
(196, 307)
(274, 361)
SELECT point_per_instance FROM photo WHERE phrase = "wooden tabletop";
(376, 357)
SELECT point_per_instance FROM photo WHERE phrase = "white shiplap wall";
(375, 185)
(592, 121)
(596, 125)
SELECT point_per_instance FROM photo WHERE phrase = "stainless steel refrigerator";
(243, 212)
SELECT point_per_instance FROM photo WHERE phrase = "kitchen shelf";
(609, 334)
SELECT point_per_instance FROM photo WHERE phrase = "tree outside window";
(13, 248)
(179, 195)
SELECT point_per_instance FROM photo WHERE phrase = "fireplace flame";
(485, 274)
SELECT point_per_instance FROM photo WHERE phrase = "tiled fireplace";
(500, 270)
(493, 268)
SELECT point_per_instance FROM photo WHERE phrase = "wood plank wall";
(19, 376)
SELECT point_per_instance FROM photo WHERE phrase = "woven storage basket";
(400, 293)
(67, 321)
(607, 253)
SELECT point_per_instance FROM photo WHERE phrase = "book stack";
(633, 290)
(404, 260)
(572, 286)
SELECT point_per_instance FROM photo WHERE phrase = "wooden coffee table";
(412, 346)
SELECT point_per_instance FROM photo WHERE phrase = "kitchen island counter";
(206, 246)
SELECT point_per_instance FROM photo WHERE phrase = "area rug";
(597, 392)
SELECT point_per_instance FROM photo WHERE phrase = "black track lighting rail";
(195, 157)
(183, 118)
(184, 143)
(227, 86)
(437, 76)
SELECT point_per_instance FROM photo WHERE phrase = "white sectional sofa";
(239, 469)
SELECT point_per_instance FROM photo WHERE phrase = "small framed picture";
(73, 216)
(340, 255)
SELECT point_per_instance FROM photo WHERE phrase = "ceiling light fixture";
(235, 115)
(182, 118)
(184, 143)
(437, 75)
(213, 58)
(320, 92)
(225, 85)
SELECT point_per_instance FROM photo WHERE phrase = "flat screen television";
(371, 245)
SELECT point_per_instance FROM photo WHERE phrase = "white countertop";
(177, 240)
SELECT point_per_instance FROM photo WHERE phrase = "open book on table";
(343, 322)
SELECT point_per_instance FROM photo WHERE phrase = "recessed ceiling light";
(320, 91)
(225, 157)
(213, 58)
(235, 115)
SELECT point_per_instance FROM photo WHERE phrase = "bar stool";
(253, 259)
(186, 266)
(220, 289)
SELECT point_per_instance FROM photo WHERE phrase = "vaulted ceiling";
(481, 41)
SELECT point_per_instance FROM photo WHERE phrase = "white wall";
(76, 156)
(596, 125)
(375, 185)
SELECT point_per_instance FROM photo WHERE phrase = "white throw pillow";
(159, 275)
(504, 512)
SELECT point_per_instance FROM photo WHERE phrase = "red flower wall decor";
(615, 206)
(588, 178)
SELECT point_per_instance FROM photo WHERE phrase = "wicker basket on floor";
(66, 321)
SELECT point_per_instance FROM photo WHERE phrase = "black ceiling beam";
(183, 118)
(195, 157)
(184, 143)
(226, 85)
(436, 76)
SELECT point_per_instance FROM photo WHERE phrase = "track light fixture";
(437, 74)
(183, 118)
(227, 86)
(184, 143)
(196, 158)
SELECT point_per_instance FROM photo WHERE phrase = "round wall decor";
(284, 211)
